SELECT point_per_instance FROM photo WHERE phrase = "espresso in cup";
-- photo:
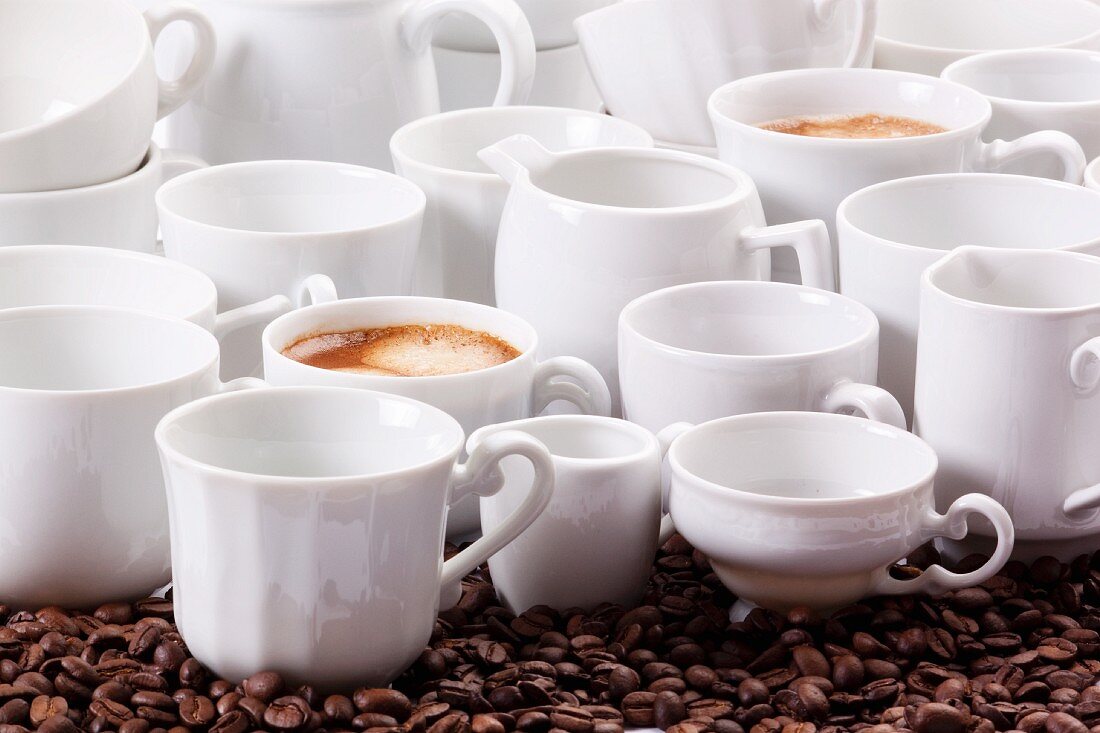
(864, 126)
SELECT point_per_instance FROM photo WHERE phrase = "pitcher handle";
(866, 22)
(509, 26)
(810, 240)
(172, 94)
(992, 157)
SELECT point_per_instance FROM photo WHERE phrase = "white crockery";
(890, 232)
(81, 389)
(307, 528)
(927, 35)
(655, 62)
(79, 91)
(1092, 175)
(466, 197)
(736, 347)
(585, 232)
(798, 508)
(119, 214)
(1008, 366)
(551, 23)
(333, 79)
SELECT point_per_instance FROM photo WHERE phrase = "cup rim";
(869, 334)
(991, 57)
(154, 157)
(171, 452)
(765, 419)
(651, 443)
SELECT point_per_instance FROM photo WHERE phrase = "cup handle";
(481, 475)
(665, 438)
(589, 392)
(874, 402)
(516, 155)
(992, 157)
(265, 311)
(236, 385)
(866, 21)
(509, 26)
(314, 290)
(938, 579)
(173, 94)
(1084, 372)
(810, 240)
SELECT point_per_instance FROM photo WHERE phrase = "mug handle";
(1084, 372)
(172, 94)
(995, 155)
(874, 402)
(866, 21)
(938, 579)
(481, 475)
(810, 240)
(589, 392)
(509, 26)
(665, 439)
(264, 311)
(314, 290)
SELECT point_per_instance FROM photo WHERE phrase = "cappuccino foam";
(868, 126)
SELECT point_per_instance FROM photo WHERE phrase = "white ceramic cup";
(655, 62)
(466, 197)
(1037, 89)
(811, 509)
(309, 80)
(807, 177)
(1008, 365)
(1092, 175)
(81, 389)
(81, 91)
(890, 232)
(596, 540)
(585, 232)
(728, 348)
(119, 214)
(307, 528)
(926, 36)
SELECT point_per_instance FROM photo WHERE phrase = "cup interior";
(1040, 75)
(311, 432)
(1031, 279)
(584, 437)
(749, 319)
(81, 348)
(293, 197)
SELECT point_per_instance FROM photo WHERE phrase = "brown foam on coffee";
(403, 351)
(867, 126)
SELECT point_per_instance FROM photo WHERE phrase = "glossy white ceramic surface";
(1092, 175)
(551, 23)
(926, 36)
(796, 508)
(1008, 365)
(466, 197)
(307, 528)
(81, 389)
(889, 233)
(655, 62)
(79, 91)
(736, 347)
(310, 80)
(585, 232)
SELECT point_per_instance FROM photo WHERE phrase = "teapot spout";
(516, 155)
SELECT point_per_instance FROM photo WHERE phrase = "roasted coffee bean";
(935, 717)
(637, 709)
(264, 686)
(199, 710)
(385, 701)
(286, 713)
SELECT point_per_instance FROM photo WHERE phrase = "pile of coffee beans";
(1020, 652)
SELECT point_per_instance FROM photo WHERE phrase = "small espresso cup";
(812, 509)
(736, 347)
(307, 527)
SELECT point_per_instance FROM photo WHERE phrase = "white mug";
(585, 232)
(890, 232)
(81, 91)
(119, 214)
(466, 198)
(1008, 365)
(295, 80)
(927, 35)
(812, 509)
(81, 389)
(318, 512)
(729, 348)
(655, 62)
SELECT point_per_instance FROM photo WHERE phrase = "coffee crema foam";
(866, 126)
(403, 351)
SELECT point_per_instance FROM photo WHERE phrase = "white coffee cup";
(596, 540)
(807, 177)
(466, 198)
(728, 348)
(812, 509)
(318, 512)
(890, 232)
(926, 36)
(585, 232)
(1008, 365)
(81, 389)
(81, 91)
(655, 62)
(119, 214)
